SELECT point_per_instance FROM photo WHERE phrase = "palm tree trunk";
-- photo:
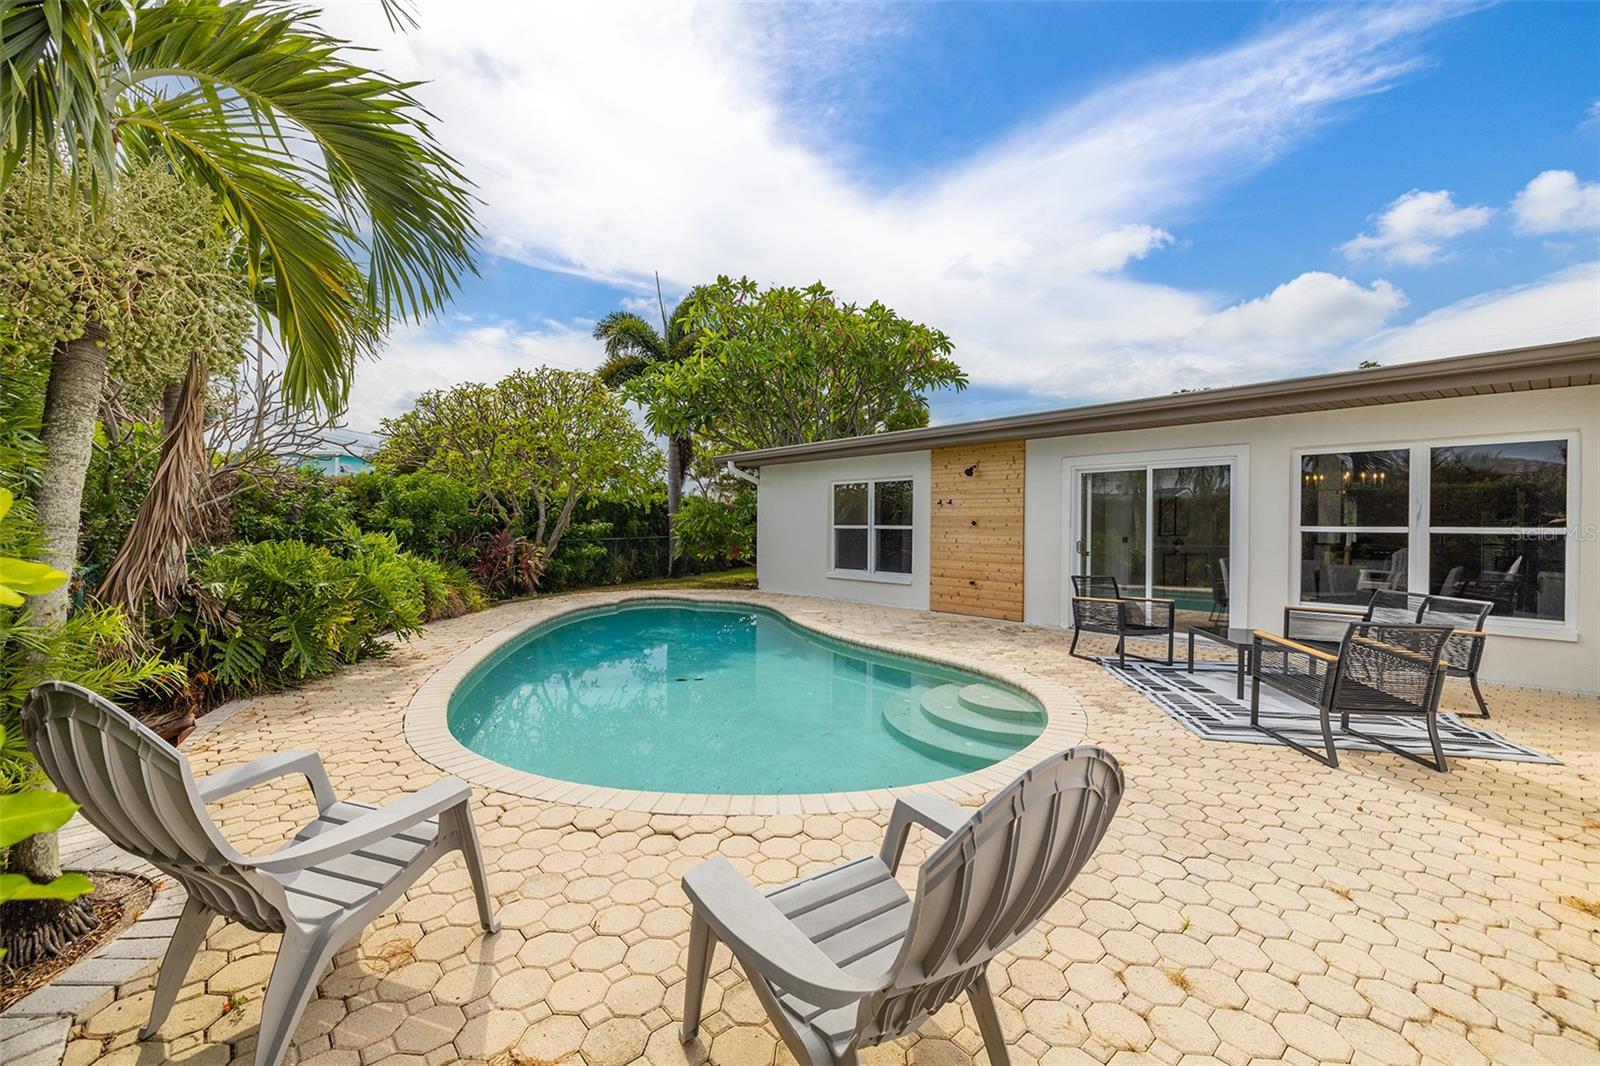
(674, 498)
(153, 559)
(71, 404)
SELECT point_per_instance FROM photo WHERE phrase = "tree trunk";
(674, 499)
(71, 403)
(154, 558)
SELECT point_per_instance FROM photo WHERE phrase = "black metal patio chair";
(1098, 606)
(1380, 669)
(1323, 627)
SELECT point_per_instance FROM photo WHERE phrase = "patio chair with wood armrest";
(844, 959)
(320, 890)
(1379, 669)
(1098, 606)
(1323, 627)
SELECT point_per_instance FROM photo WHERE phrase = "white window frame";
(871, 573)
(1236, 457)
(1420, 530)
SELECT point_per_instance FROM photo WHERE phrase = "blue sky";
(1095, 201)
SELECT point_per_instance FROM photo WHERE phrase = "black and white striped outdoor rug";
(1204, 703)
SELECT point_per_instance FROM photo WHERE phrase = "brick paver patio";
(1248, 905)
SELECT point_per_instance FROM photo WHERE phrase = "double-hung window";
(1490, 520)
(872, 527)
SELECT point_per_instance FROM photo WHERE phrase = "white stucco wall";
(793, 522)
(1550, 662)
(794, 528)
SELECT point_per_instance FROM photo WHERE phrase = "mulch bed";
(118, 900)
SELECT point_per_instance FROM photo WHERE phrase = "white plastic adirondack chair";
(844, 959)
(319, 890)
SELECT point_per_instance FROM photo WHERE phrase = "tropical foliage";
(319, 176)
(278, 612)
(531, 447)
(787, 366)
(372, 222)
(717, 532)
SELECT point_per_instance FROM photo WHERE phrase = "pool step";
(987, 714)
(903, 717)
(993, 702)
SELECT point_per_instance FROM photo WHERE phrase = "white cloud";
(612, 166)
(419, 358)
(1559, 307)
(707, 140)
(1556, 202)
(1414, 228)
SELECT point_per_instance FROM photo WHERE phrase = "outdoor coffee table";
(1237, 639)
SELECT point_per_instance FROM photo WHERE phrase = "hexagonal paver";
(1248, 906)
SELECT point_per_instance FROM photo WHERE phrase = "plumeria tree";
(793, 366)
(532, 446)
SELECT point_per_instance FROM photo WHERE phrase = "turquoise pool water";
(728, 699)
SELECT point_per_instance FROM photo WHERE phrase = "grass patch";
(1181, 980)
(1342, 893)
(743, 577)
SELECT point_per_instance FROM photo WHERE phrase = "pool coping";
(428, 733)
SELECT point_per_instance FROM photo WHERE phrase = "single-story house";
(1466, 476)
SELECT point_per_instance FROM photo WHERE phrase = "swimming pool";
(728, 699)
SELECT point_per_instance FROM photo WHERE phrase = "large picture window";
(1487, 521)
(872, 527)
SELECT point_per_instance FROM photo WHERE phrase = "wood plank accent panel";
(976, 530)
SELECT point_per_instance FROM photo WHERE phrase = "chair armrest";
(1301, 648)
(404, 813)
(766, 941)
(1153, 599)
(1095, 599)
(934, 812)
(213, 787)
(1475, 634)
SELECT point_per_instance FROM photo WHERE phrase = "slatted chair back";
(1101, 585)
(1395, 608)
(991, 881)
(140, 792)
(1462, 652)
(1389, 667)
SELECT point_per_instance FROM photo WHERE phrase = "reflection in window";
(872, 526)
(1347, 567)
(1371, 489)
(1498, 526)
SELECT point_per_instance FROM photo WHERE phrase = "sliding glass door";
(1161, 529)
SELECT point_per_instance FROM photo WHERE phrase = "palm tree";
(633, 347)
(326, 171)
(343, 205)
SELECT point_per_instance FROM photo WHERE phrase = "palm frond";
(381, 165)
(627, 334)
(56, 57)
(321, 312)
(618, 370)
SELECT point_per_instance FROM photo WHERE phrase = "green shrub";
(712, 534)
(429, 514)
(289, 504)
(276, 612)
